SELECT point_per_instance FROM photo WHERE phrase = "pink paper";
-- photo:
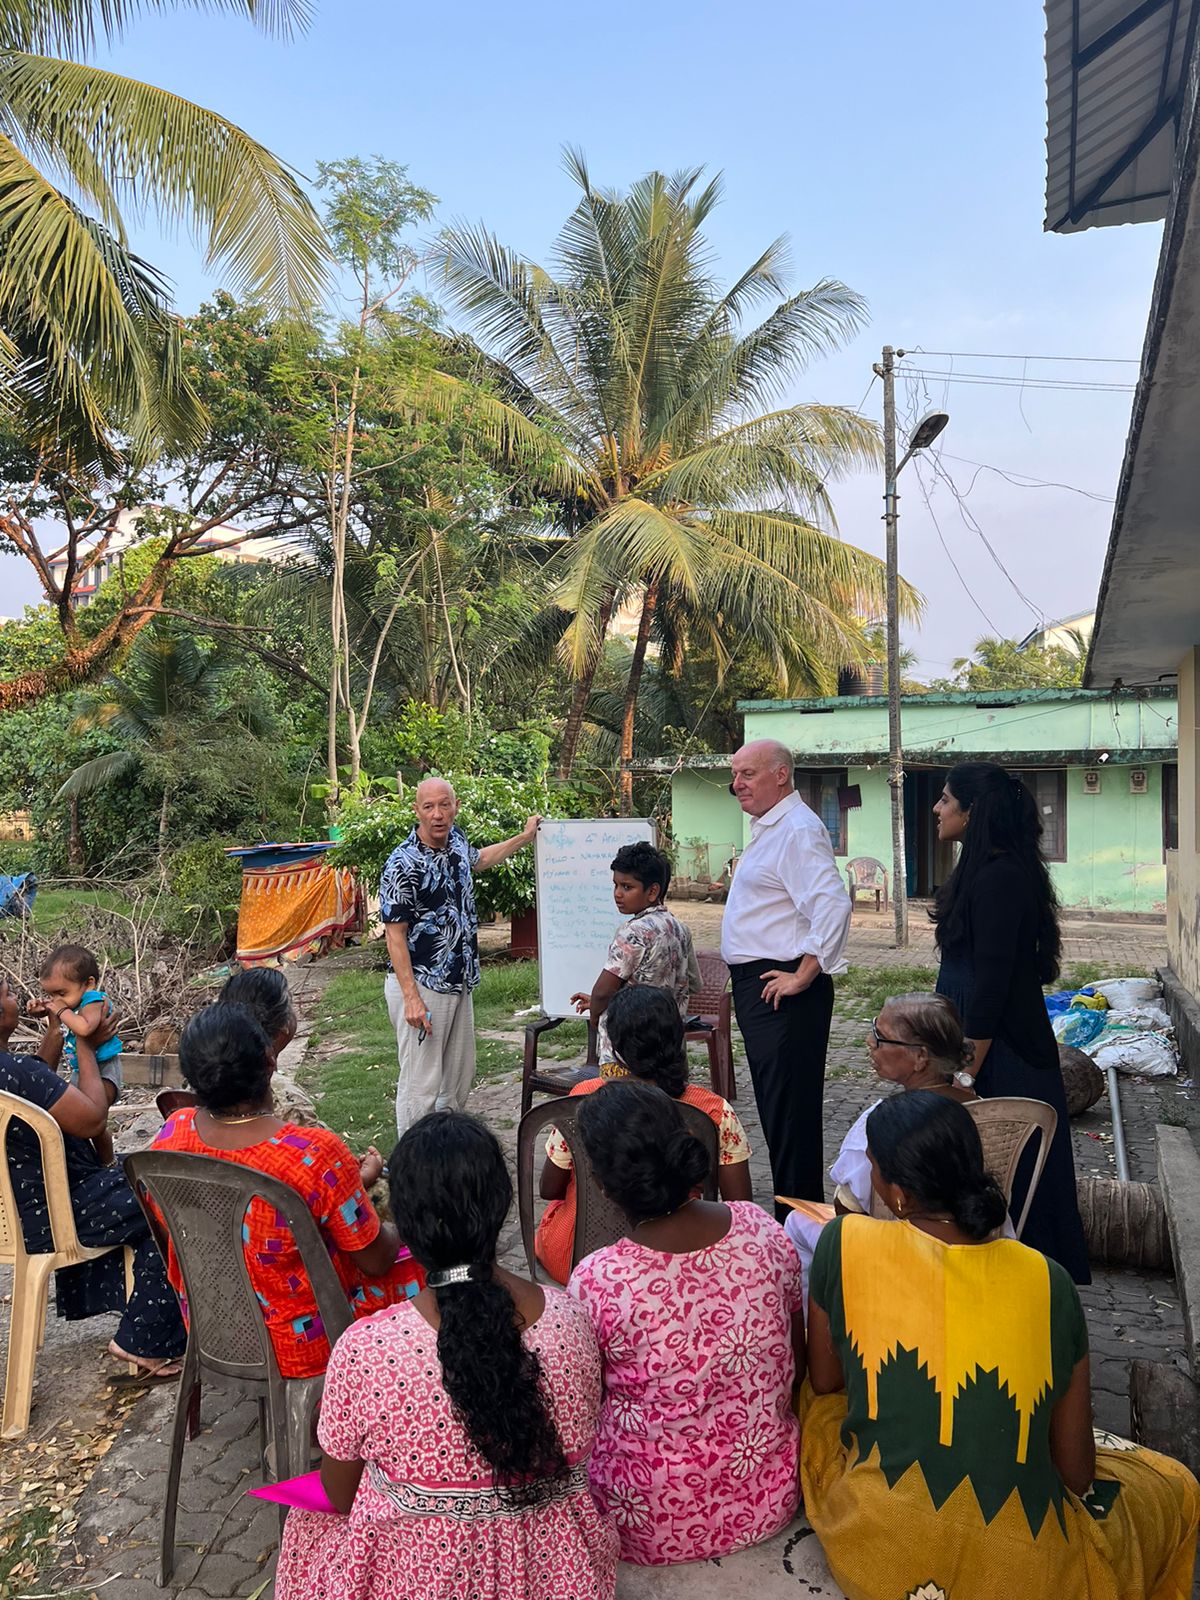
(305, 1493)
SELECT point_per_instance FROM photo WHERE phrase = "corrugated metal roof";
(1115, 74)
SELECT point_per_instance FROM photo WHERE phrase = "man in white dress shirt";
(783, 936)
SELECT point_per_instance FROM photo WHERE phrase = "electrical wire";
(946, 549)
(1000, 381)
(1025, 480)
(972, 523)
(999, 355)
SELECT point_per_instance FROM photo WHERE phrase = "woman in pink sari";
(698, 1317)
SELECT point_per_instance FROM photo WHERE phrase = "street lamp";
(923, 435)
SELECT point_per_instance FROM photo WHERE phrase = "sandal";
(144, 1376)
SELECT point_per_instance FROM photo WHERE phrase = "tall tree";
(92, 370)
(1004, 664)
(695, 501)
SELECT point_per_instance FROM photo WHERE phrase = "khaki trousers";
(436, 1072)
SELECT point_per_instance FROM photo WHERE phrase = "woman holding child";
(229, 1061)
(150, 1333)
(457, 1426)
(947, 1430)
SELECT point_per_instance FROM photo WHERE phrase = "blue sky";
(901, 147)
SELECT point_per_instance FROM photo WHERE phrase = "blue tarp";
(17, 894)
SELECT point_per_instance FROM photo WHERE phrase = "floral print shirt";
(697, 1445)
(431, 891)
(654, 951)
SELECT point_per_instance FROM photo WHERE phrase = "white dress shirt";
(787, 898)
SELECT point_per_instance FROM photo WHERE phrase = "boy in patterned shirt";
(652, 950)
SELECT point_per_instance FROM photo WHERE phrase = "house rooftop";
(959, 697)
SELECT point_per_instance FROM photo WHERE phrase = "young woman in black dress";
(997, 930)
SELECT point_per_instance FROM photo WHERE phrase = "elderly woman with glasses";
(916, 1042)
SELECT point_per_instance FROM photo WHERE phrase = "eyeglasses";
(882, 1038)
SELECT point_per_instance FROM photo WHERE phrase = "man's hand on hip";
(779, 984)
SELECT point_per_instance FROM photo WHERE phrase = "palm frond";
(94, 774)
(129, 144)
(76, 26)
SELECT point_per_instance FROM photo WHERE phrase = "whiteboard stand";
(576, 914)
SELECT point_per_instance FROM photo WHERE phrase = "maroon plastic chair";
(713, 1009)
(598, 1220)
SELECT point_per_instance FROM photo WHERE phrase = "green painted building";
(1102, 767)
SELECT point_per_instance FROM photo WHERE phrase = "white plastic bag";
(1124, 992)
(1150, 1015)
(1142, 1055)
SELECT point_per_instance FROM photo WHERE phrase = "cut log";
(1164, 1411)
(1083, 1082)
(1125, 1224)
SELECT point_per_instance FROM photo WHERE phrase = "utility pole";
(886, 371)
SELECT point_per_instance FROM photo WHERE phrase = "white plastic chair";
(1006, 1124)
(31, 1273)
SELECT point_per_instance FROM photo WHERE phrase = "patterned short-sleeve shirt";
(431, 891)
(654, 951)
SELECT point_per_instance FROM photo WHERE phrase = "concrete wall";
(1183, 909)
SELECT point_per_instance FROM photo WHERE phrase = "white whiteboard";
(576, 914)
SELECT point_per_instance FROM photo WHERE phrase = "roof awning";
(1116, 71)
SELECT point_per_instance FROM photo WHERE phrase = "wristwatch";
(964, 1080)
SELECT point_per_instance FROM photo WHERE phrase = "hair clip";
(445, 1276)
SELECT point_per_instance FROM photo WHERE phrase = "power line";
(999, 381)
(971, 522)
(1025, 480)
(1004, 355)
(946, 549)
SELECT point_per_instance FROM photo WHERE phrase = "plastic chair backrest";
(169, 1101)
(54, 1175)
(202, 1202)
(1006, 1124)
(866, 872)
(598, 1220)
(714, 975)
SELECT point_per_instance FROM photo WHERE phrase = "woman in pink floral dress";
(698, 1316)
(457, 1426)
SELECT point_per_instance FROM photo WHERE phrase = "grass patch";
(27, 1545)
(57, 910)
(1081, 973)
(351, 1062)
(862, 991)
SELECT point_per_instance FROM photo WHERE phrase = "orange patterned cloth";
(298, 908)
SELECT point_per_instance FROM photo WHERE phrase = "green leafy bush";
(493, 808)
(205, 887)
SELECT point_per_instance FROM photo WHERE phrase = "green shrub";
(205, 888)
(17, 855)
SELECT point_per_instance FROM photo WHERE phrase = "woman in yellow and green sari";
(948, 1450)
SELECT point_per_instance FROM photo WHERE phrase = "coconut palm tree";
(89, 350)
(178, 724)
(698, 497)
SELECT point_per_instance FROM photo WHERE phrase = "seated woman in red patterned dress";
(229, 1062)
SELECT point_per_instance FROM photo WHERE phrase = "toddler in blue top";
(70, 998)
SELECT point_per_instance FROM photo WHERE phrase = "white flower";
(750, 1450)
(629, 1509)
(627, 1414)
(927, 1591)
(735, 1349)
(1112, 1441)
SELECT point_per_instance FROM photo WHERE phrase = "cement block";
(1179, 1177)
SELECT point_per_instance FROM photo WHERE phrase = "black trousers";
(786, 1050)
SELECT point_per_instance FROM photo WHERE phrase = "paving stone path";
(227, 1541)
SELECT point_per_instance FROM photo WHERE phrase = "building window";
(1170, 805)
(1048, 786)
(819, 791)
